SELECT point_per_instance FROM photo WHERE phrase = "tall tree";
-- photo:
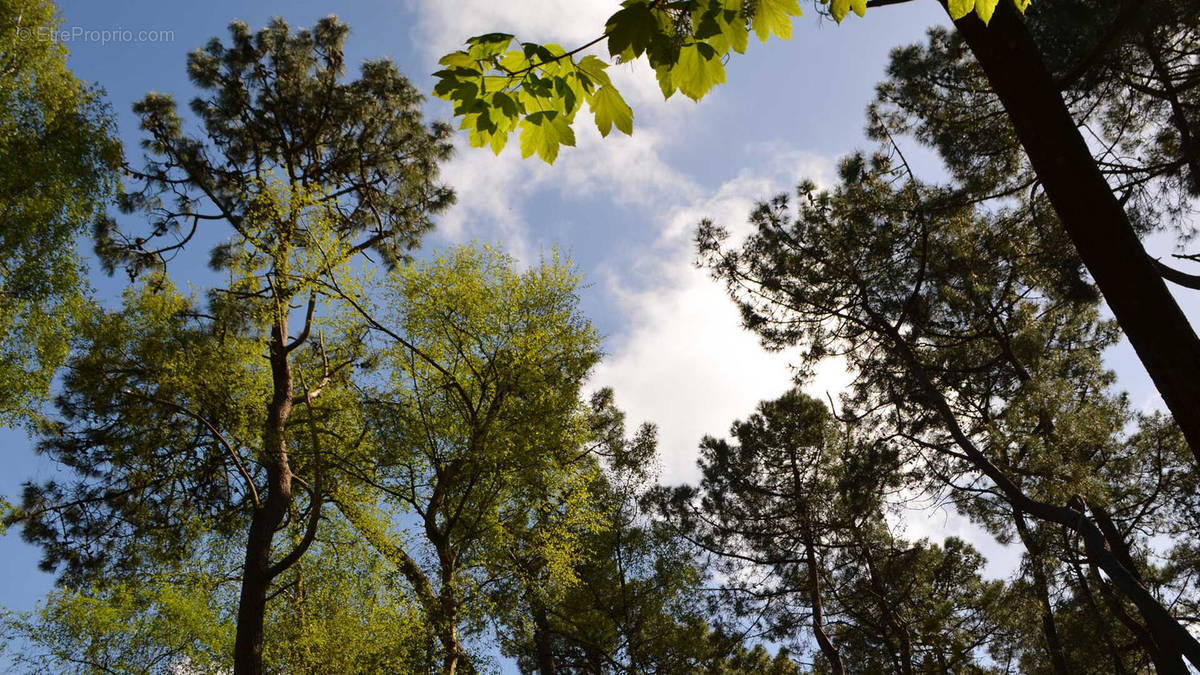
(969, 350)
(792, 512)
(636, 605)
(58, 163)
(305, 173)
(483, 443)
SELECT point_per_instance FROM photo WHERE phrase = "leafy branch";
(498, 87)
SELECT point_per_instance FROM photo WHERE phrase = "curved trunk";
(1168, 632)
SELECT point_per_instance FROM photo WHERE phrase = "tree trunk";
(1096, 222)
(1042, 587)
(828, 649)
(897, 627)
(257, 572)
(542, 641)
(1168, 632)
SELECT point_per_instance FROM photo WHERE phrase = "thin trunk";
(1168, 632)
(455, 656)
(814, 574)
(818, 621)
(897, 627)
(1091, 214)
(1120, 548)
(1164, 661)
(1086, 591)
(1041, 586)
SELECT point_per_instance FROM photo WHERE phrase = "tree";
(306, 173)
(483, 443)
(58, 162)
(971, 354)
(635, 606)
(338, 610)
(540, 88)
(792, 512)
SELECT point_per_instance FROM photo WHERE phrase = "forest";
(276, 406)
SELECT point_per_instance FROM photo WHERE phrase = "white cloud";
(684, 362)
(681, 360)
(444, 26)
(914, 519)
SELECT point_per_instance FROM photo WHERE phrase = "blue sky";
(624, 208)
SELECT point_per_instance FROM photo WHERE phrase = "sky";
(625, 208)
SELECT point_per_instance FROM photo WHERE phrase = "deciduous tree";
(58, 166)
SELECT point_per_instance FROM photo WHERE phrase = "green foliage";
(340, 610)
(58, 162)
(481, 436)
(357, 148)
(792, 512)
(497, 88)
(168, 447)
(977, 350)
(155, 625)
(152, 479)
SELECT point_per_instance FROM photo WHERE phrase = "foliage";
(152, 627)
(164, 428)
(338, 611)
(498, 88)
(792, 515)
(58, 160)
(481, 435)
(972, 356)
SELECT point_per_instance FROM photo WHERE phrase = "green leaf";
(499, 141)
(663, 75)
(839, 9)
(698, 70)
(514, 60)
(594, 68)
(505, 105)
(859, 7)
(457, 60)
(734, 34)
(960, 8)
(484, 47)
(985, 8)
(707, 24)
(775, 16)
(543, 132)
(630, 29)
(609, 109)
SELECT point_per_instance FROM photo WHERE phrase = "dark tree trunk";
(543, 641)
(894, 625)
(1095, 220)
(258, 573)
(1167, 631)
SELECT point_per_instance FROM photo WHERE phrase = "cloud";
(680, 358)
(444, 26)
(914, 519)
(684, 362)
